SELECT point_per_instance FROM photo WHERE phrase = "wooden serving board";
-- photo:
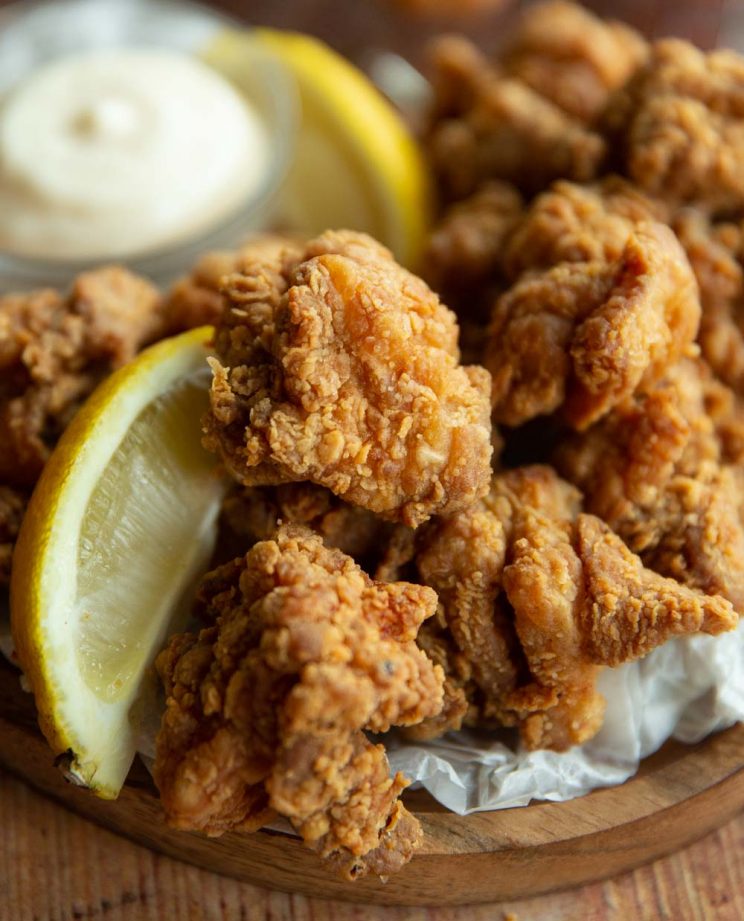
(680, 794)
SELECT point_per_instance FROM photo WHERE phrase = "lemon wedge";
(357, 165)
(120, 525)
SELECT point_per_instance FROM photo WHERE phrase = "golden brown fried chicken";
(490, 239)
(337, 366)
(577, 223)
(266, 708)
(12, 507)
(120, 310)
(464, 253)
(571, 57)
(536, 597)
(486, 125)
(681, 123)
(54, 350)
(581, 337)
(253, 513)
(657, 470)
(715, 251)
(196, 299)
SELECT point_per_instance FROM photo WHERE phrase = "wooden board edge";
(682, 794)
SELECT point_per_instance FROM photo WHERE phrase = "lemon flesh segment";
(357, 165)
(120, 526)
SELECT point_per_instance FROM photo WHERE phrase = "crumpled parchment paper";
(684, 690)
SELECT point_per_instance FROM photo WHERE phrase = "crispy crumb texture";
(267, 706)
(337, 366)
(535, 597)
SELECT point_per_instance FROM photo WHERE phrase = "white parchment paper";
(685, 690)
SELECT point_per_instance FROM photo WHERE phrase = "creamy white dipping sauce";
(118, 152)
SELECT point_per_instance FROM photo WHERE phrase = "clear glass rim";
(172, 259)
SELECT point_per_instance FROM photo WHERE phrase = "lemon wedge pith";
(120, 525)
(357, 165)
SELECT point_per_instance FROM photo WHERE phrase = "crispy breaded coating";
(120, 310)
(715, 251)
(459, 690)
(658, 471)
(253, 513)
(266, 707)
(654, 609)
(490, 238)
(337, 366)
(573, 58)
(578, 223)
(536, 597)
(12, 508)
(486, 125)
(54, 350)
(725, 409)
(582, 337)
(196, 299)
(681, 122)
(464, 252)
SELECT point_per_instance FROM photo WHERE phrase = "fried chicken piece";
(571, 57)
(253, 513)
(682, 121)
(578, 223)
(725, 409)
(196, 299)
(581, 601)
(715, 252)
(337, 366)
(536, 597)
(12, 508)
(460, 693)
(121, 313)
(658, 471)
(490, 239)
(465, 250)
(485, 125)
(464, 559)
(53, 351)
(582, 337)
(266, 708)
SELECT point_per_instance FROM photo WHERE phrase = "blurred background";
(358, 27)
(355, 27)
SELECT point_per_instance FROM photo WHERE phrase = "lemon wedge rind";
(88, 723)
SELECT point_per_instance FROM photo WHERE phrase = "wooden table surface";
(55, 866)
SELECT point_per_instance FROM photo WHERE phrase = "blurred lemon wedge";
(357, 165)
(120, 526)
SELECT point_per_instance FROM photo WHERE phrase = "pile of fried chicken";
(412, 541)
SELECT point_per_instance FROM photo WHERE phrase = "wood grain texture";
(681, 793)
(55, 866)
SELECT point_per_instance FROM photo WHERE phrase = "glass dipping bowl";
(35, 32)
